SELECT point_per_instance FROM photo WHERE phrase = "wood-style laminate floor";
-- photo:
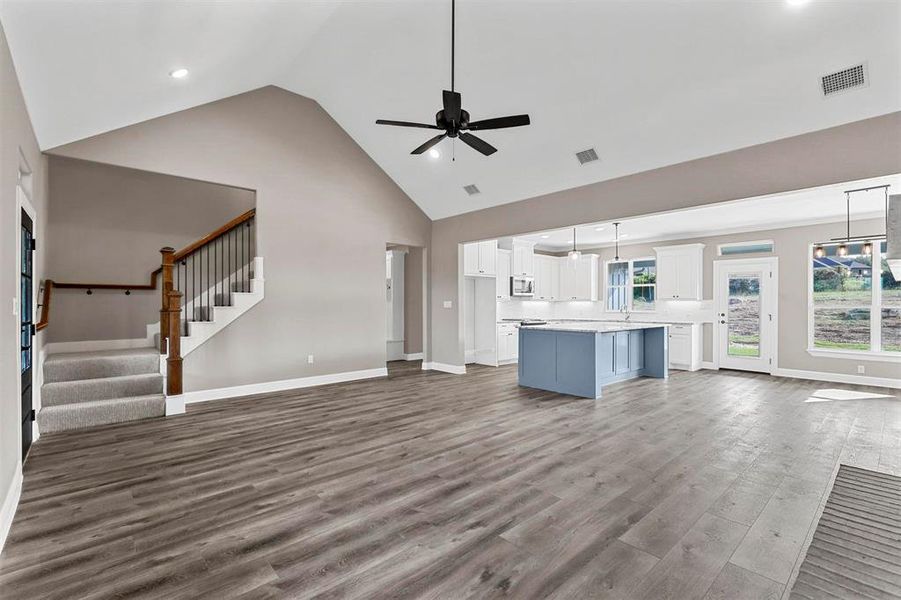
(429, 485)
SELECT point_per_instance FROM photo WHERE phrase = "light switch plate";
(448, 304)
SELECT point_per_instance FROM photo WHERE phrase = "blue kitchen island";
(581, 358)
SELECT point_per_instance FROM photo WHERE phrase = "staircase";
(84, 389)
(204, 287)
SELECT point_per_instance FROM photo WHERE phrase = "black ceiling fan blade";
(452, 105)
(477, 143)
(429, 144)
(405, 124)
(500, 123)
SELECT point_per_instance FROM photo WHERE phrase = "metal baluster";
(184, 291)
(209, 314)
(229, 268)
(243, 263)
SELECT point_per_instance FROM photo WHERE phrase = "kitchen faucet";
(624, 310)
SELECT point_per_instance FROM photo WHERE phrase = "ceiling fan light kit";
(453, 121)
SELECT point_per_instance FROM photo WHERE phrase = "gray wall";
(858, 150)
(325, 212)
(792, 249)
(118, 219)
(413, 301)
(16, 136)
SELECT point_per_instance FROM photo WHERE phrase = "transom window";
(855, 302)
(632, 284)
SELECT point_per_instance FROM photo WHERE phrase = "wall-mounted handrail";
(45, 305)
(49, 284)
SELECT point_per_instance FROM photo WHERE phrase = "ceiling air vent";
(471, 189)
(587, 156)
(846, 79)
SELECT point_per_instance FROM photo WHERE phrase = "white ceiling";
(646, 83)
(818, 205)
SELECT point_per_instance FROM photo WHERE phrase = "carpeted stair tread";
(72, 366)
(87, 390)
(100, 412)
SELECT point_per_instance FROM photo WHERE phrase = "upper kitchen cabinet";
(579, 278)
(547, 277)
(504, 264)
(680, 272)
(480, 258)
(523, 258)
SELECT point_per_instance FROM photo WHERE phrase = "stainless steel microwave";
(522, 286)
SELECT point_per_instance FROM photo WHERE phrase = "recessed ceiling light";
(179, 74)
(797, 2)
(434, 153)
(544, 237)
(624, 235)
(599, 229)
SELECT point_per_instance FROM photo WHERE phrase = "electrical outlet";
(309, 359)
(448, 304)
(861, 369)
(15, 307)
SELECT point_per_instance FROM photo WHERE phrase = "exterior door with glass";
(746, 304)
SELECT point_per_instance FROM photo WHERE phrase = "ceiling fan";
(453, 121)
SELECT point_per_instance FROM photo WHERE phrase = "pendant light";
(574, 254)
(843, 248)
(616, 226)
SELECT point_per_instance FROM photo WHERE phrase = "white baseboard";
(839, 378)
(444, 368)
(272, 386)
(414, 356)
(96, 345)
(175, 405)
(10, 503)
(705, 364)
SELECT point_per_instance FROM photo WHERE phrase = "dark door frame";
(26, 327)
(24, 208)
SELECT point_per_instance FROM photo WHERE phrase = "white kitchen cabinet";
(685, 347)
(504, 264)
(507, 343)
(680, 272)
(523, 258)
(547, 277)
(480, 258)
(579, 278)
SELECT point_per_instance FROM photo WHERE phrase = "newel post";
(173, 362)
(166, 286)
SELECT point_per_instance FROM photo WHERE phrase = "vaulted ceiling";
(646, 84)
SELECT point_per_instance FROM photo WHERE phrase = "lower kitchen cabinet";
(507, 343)
(685, 347)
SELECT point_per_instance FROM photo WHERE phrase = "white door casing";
(746, 326)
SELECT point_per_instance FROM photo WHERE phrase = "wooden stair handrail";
(233, 224)
(45, 306)
(49, 284)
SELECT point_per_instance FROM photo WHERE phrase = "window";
(757, 247)
(855, 300)
(632, 284)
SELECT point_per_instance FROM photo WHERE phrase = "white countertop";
(595, 326)
(614, 321)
